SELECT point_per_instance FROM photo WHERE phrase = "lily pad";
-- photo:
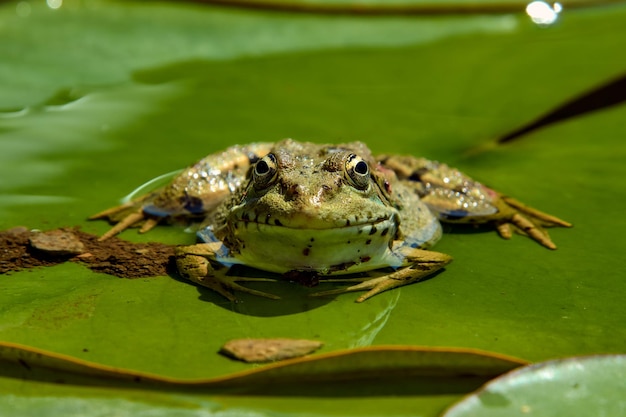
(359, 375)
(349, 366)
(592, 385)
(120, 93)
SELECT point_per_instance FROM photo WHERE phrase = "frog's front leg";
(456, 198)
(418, 264)
(198, 264)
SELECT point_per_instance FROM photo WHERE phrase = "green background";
(98, 97)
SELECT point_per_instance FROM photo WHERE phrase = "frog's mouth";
(316, 220)
(276, 247)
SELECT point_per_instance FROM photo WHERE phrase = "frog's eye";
(358, 171)
(264, 171)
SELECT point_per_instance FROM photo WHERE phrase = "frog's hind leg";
(421, 263)
(192, 194)
(456, 198)
(125, 216)
(197, 264)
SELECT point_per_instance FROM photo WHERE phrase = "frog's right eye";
(264, 171)
(358, 172)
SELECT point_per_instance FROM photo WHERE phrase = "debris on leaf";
(15, 251)
(57, 242)
(268, 350)
(21, 248)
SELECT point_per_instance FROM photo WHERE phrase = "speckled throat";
(332, 251)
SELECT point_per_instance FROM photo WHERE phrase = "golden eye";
(264, 171)
(358, 172)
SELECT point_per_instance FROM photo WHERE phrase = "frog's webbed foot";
(526, 220)
(421, 263)
(197, 264)
(127, 215)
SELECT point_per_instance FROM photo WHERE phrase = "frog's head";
(310, 207)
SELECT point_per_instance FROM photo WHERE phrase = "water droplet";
(23, 9)
(54, 4)
(542, 13)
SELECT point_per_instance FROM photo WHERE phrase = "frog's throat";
(329, 251)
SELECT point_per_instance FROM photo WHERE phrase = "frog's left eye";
(358, 171)
(264, 171)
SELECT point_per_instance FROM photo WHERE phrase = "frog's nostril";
(292, 192)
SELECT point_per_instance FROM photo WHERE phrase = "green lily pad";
(359, 375)
(397, 7)
(119, 93)
(592, 385)
(349, 366)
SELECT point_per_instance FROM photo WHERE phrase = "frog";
(315, 213)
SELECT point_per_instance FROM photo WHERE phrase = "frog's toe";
(374, 285)
(124, 216)
(116, 212)
(525, 227)
(525, 220)
(540, 217)
(129, 214)
(504, 230)
(231, 283)
(225, 288)
(419, 265)
(194, 263)
(218, 288)
(128, 221)
(224, 284)
(149, 224)
(533, 231)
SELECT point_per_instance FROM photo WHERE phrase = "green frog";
(313, 212)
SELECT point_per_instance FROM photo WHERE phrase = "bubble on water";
(23, 9)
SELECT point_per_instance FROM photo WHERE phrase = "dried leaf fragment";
(268, 350)
(58, 242)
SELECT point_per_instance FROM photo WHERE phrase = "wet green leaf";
(99, 97)
(591, 385)
(351, 366)
(396, 378)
